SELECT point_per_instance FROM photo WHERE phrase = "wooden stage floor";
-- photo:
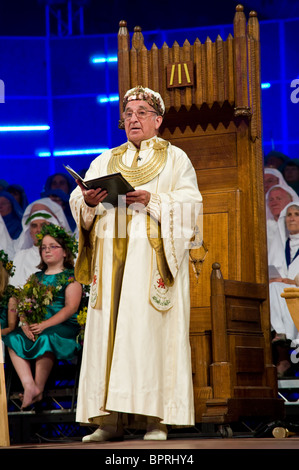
(171, 444)
(136, 453)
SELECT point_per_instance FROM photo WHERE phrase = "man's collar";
(145, 144)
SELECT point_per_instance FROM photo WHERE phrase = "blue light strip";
(103, 60)
(23, 128)
(63, 153)
(265, 85)
(107, 99)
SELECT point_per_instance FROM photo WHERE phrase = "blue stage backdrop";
(59, 97)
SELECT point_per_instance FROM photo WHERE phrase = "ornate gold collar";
(143, 174)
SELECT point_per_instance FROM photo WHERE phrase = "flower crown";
(56, 231)
(7, 264)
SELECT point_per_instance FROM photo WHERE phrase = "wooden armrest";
(290, 293)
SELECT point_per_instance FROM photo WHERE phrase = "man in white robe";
(136, 356)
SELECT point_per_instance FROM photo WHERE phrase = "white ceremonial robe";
(57, 217)
(272, 224)
(6, 242)
(280, 317)
(27, 256)
(26, 262)
(151, 364)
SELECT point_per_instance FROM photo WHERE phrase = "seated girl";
(53, 337)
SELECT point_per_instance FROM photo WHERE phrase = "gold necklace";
(139, 175)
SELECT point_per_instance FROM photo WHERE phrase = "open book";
(115, 184)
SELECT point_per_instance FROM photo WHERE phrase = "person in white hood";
(277, 197)
(284, 256)
(27, 255)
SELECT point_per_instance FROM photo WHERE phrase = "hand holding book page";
(109, 187)
(275, 276)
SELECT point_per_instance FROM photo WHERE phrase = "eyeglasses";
(140, 114)
(50, 247)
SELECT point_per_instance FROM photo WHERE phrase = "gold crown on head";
(153, 98)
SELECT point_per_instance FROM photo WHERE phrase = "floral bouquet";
(33, 299)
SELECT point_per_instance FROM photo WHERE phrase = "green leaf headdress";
(56, 231)
(7, 264)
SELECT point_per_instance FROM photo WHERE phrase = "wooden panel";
(200, 292)
(220, 179)
(249, 359)
(246, 289)
(200, 319)
(207, 152)
(243, 314)
(201, 358)
(220, 231)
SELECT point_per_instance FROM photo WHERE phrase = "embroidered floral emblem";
(160, 283)
(160, 294)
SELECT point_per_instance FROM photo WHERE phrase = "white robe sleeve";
(178, 210)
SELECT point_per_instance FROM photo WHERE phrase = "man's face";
(142, 128)
(35, 227)
(291, 173)
(5, 206)
(59, 182)
(269, 181)
(278, 199)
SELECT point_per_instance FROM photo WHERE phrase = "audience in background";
(58, 187)
(275, 159)
(277, 198)
(62, 181)
(272, 177)
(18, 192)
(283, 255)
(6, 242)
(38, 213)
(49, 205)
(290, 172)
(12, 213)
(27, 258)
(3, 184)
(281, 185)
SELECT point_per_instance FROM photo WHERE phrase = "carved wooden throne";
(213, 112)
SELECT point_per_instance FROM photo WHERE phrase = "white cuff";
(153, 207)
(87, 214)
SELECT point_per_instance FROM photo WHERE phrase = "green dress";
(60, 339)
